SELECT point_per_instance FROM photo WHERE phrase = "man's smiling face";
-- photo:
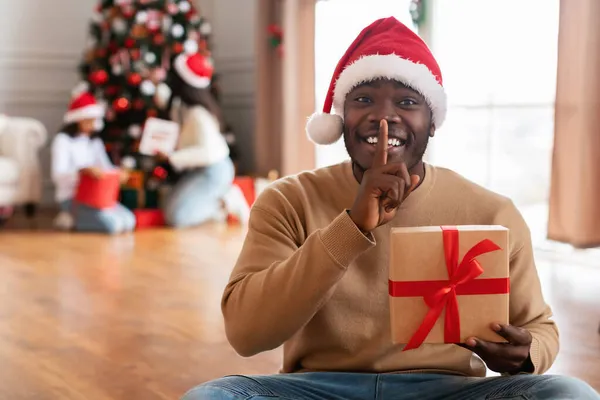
(409, 119)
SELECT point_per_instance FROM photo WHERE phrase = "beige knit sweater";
(309, 280)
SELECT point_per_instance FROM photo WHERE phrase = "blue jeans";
(113, 220)
(198, 196)
(364, 386)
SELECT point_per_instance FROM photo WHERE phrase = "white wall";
(40, 46)
(234, 53)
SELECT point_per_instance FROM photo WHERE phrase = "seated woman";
(201, 163)
(76, 150)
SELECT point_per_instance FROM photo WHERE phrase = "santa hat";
(385, 49)
(83, 106)
(195, 70)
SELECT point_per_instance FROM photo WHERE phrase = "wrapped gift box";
(246, 184)
(447, 284)
(100, 192)
(135, 199)
(148, 218)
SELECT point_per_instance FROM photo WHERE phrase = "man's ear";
(432, 130)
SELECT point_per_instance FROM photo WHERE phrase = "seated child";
(76, 150)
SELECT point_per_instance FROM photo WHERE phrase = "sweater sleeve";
(201, 142)
(100, 155)
(528, 308)
(280, 281)
(195, 156)
(64, 173)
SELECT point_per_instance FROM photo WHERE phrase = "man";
(313, 272)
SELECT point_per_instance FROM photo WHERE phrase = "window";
(498, 61)
(337, 23)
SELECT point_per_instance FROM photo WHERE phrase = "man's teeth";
(391, 141)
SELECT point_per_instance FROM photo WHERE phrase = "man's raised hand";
(383, 188)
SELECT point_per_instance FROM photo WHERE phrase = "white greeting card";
(159, 136)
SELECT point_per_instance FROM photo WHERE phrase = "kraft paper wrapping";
(417, 254)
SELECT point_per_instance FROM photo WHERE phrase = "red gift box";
(148, 218)
(246, 184)
(100, 192)
(448, 283)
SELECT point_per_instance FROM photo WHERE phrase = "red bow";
(443, 294)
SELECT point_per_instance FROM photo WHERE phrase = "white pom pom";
(147, 88)
(185, 7)
(135, 131)
(324, 128)
(141, 17)
(128, 162)
(177, 31)
(190, 46)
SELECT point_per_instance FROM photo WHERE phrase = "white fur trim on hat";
(324, 128)
(391, 66)
(199, 82)
(88, 112)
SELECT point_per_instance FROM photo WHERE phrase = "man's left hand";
(511, 357)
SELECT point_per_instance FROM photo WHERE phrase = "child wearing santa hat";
(204, 190)
(76, 150)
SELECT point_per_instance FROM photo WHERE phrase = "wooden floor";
(137, 317)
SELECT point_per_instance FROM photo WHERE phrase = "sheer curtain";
(337, 23)
(498, 60)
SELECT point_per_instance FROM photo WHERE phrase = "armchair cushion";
(20, 142)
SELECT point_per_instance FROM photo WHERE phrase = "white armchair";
(20, 170)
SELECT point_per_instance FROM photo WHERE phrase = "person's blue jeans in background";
(364, 386)
(198, 196)
(117, 219)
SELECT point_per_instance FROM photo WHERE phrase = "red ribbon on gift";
(443, 294)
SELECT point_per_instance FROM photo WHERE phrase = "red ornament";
(159, 39)
(112, 90)
(113, 47)
(275, 30)
(99, 77)
(177, 48)
(173, 9)
(128, 12)
(139, 104)
(121, 104)
(160, 173)
(129, 43)
(152, 113)
(135, 54)
(134, 79)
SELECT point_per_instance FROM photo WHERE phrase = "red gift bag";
(99, 193)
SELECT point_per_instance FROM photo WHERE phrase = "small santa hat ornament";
(386, 49)
(83, 106)
(195, 70)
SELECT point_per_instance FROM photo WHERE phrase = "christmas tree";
(131, 47)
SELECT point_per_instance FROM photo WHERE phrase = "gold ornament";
(139, 32)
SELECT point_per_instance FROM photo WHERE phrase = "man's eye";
(407, 102)
(363, 99)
